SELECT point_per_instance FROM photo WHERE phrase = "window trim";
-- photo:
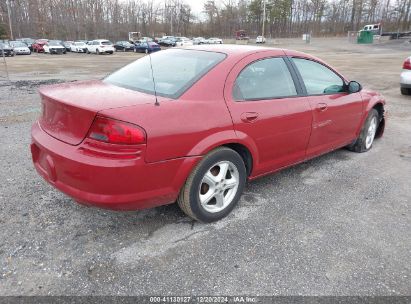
(294, 77)
(301, 80)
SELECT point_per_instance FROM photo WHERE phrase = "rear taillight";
(407, 64)
(116, 132)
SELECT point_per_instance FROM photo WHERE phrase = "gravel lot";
(336, 225)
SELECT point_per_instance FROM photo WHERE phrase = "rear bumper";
(104, 181)
(57, 51)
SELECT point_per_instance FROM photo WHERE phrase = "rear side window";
(264, 79)
(318, 79)
(174, 71)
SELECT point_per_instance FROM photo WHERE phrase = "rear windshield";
(174, 71)
(106, 43)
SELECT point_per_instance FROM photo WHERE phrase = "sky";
(197, 6)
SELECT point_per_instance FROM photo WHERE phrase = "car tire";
(405, 91)
(97, 52)
(208, 177)
(88, 52)
(367, 135)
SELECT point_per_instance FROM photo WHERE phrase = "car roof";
(231, 49)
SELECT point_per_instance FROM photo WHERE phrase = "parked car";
(100, 46)
(160, 41)
(183, 41)
(38, 45)
(146, 47)
(214, 41)
(405, 82)
(123, 46)
(28, 41)
(67, 45)
(111, 147)
(78, 47)
(260, 39)
(6, 49)
(168, 41)
(54, 47)
(20, 48)
(199, 40)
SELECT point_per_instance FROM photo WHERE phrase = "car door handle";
(249, 116)
(321, 107)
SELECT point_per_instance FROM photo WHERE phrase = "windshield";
(174, 71)
(4, 45)
(53, 43)
(18, 44)
(79, 43)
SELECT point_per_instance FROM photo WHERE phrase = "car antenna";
(154, 82)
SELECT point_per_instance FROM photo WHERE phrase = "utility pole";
(263, 29)
(9, 15)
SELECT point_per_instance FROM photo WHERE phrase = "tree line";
(113, 19)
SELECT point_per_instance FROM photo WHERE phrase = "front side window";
(174, 71)
(264, 79)
(318, 79)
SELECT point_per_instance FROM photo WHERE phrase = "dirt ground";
(336, 225)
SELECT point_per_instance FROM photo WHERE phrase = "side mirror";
(354, 87)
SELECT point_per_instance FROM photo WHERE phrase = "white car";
(54, 47)
(78, 47)
(199, 40)
(260, 39)
(20, 48)
(183, 41)
(405, 82)
(214, 40)
(100, 46)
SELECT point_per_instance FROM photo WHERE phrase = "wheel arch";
(379, 106)
(239, 142)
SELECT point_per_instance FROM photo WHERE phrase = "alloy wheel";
(219, 186)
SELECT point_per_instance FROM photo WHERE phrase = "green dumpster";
(365, 37)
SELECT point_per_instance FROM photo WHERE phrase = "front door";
(266, 107)
(336, 113)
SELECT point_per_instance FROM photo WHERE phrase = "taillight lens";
(407, 64)
(116, 132)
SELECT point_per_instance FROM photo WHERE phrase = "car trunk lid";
(68, 110)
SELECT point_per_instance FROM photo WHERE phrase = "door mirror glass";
(354, 87)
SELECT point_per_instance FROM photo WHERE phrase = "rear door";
(336, 113)
(265, 102)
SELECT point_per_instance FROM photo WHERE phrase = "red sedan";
(192, 125)
(38, 45)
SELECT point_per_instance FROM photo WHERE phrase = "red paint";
(38, 45)
(177, 133)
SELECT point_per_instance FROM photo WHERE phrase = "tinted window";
(174, 71)
(317, 78)
(264, 79)
(106, 43)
